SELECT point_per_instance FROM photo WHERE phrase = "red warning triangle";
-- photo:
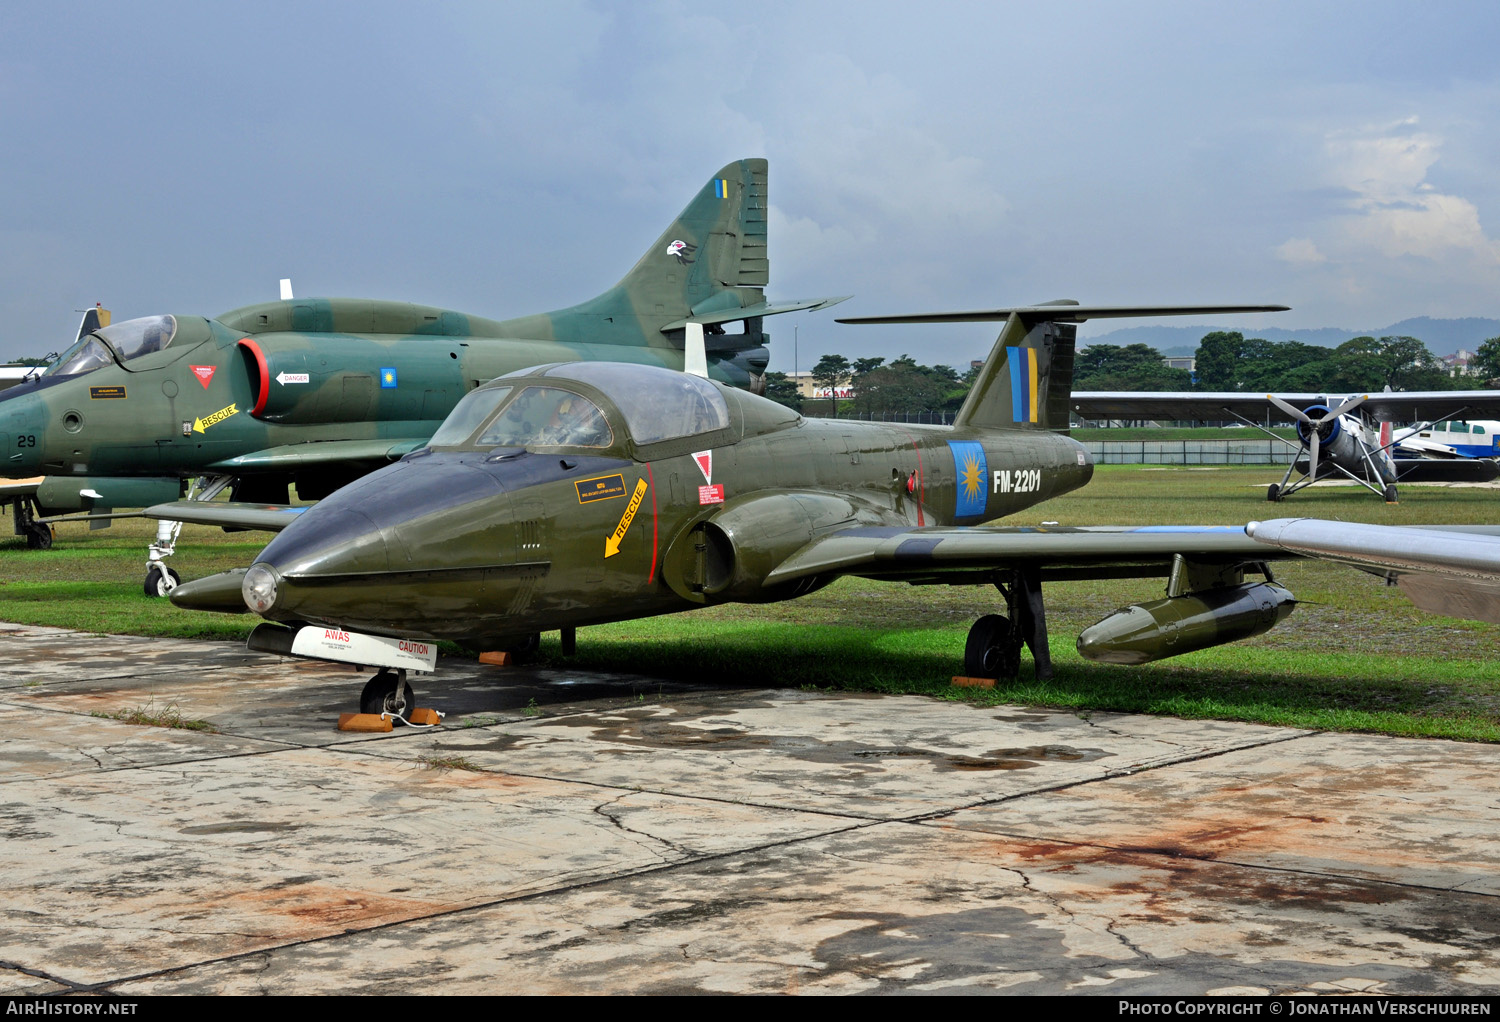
(205, 374)
(705, 460)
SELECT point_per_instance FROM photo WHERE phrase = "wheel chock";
(372, 722)
(424, 717)
(963, 682)
(498, 658)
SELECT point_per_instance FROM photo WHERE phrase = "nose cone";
(366, 556)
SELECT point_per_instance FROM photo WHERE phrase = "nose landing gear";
(388, 692)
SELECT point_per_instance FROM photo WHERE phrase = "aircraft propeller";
(1315, 426)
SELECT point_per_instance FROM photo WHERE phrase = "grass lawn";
(1354, 656)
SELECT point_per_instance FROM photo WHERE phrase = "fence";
(920, 418)
(1190, 452)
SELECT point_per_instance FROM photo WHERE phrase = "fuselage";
(478, 543)
(119, 406)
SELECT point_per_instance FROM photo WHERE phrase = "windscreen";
(471, 410)
(89, 353)
(547, 416)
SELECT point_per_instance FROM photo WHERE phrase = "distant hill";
(1442, 336)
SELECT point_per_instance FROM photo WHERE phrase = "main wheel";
(525, 650)
(1390, 494)
(380, 695)
(1273, 492)
(161, 581)
(992, 650)
(39, 537)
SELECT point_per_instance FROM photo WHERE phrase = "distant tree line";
(880, 387)
(1225, 360)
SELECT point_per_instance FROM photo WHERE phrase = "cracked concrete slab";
(1422, 812)
(571, 832)
(880, 757)
(904, 908)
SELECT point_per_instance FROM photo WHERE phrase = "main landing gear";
(993, 649)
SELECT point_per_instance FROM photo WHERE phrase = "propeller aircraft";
(1350, 436)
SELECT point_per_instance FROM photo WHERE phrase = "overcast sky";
(509, 158)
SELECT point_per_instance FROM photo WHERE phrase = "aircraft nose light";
(259, 587)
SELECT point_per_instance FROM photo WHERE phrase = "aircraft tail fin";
(709, 262)
(1027, 381)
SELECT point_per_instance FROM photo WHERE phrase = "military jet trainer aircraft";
(574, 494)
(1331, 438)
(317, 392)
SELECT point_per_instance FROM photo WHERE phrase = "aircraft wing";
(10, 489)
(1449, 570)
(317, 452)
(1065, 311)
(1408, 406)
(1087, 552)
(227, 514)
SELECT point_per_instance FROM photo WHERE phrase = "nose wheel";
(388, 692)
(161, 580)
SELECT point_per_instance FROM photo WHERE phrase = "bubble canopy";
(120, 342)
(650, 403)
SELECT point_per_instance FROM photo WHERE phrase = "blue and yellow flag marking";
(721, 188)
(1023, 383)
(387, 377)
(972, 471)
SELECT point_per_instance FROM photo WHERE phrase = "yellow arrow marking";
(612, 544)
(199, 425)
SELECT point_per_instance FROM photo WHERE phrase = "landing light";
(259, 588)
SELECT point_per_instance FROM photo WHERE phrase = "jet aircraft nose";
(352, 558)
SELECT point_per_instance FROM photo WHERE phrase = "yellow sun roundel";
(971, 469)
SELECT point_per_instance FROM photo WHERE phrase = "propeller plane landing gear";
(993, 649)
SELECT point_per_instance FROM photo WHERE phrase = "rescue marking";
(205, 374)
(600, 488)
(201, 425)
(612, 544)
(106, 393)
(711, 494)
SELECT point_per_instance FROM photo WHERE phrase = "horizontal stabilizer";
(228, 514)
(1065, 312)
(755, 311)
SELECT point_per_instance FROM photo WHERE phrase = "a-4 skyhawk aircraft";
(575, 494)
(1349, 436)
(316, 392)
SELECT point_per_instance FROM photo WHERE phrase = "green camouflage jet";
(318, 392)
(574, 494)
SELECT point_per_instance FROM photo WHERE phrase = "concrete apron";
(615, 834)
